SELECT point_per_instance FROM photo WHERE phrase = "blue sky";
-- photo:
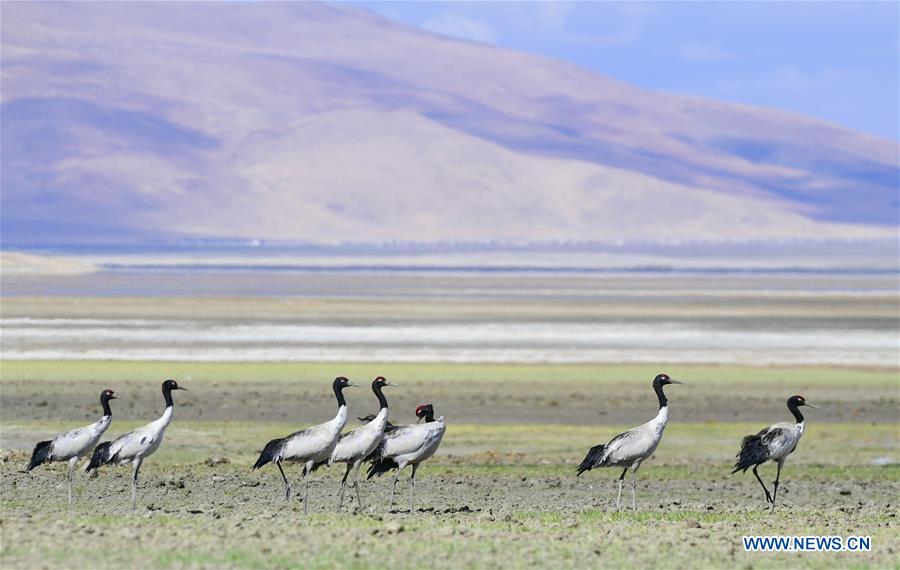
(834, 60)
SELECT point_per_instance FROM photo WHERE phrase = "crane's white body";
(410, 445)
(136, 445)
(781, 439)
(142, 442)
(314, 444)
(357, 444)
(413, 443)
(631, 448)
(75, 444)
(774, 443)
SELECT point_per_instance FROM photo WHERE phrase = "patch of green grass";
(542, 517)
(227, 558)
(141, 371)
(526, 538)
(107, 520)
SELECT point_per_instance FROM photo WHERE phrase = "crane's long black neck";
(382, 401)
(796, 411)
(429, 417)
(105, 403)
(663, 402)
(167, 394)
(339, 394)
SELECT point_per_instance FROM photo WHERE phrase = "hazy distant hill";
(303, 121)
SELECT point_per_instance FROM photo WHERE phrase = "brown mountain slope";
(306, 121)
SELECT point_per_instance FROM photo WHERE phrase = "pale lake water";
(489, 342)
(761, 316)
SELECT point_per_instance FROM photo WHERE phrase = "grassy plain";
(500, 493)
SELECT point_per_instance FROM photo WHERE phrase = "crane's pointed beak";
(351, 385)
(182, 388)
(671, 381)
(392, 384)
(811, 406)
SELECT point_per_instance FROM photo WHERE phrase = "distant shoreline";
(863, 257)
(503, 269)
(15, 263)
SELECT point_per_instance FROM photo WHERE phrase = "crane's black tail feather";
(41, 454)
(381, 467)
(99, 457)
(269, 452)
(753, 452)
(388, 427)
(372, 457)
(376, 455)
(591, 459)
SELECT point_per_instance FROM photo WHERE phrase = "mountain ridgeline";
(125, 122)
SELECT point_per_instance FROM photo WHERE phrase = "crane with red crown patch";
(408, 445)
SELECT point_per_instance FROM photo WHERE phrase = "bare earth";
(501, 492)
(195, 516)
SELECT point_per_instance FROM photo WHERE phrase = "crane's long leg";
(775, 491)
(768, 496)
(393, 488)
(72, 463)
(306, 471)
(344, 485)
(412, 489)
(356, 483)
(287, 485)
(634, 487)
(621, 482)
(134, 480)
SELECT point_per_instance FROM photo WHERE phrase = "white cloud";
(458, 26)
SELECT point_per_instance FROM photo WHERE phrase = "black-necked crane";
(311, 446)
(73, 445)
(408, 445)
(135, 446)
(774, 443)
(631, 448)
(356, 445)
